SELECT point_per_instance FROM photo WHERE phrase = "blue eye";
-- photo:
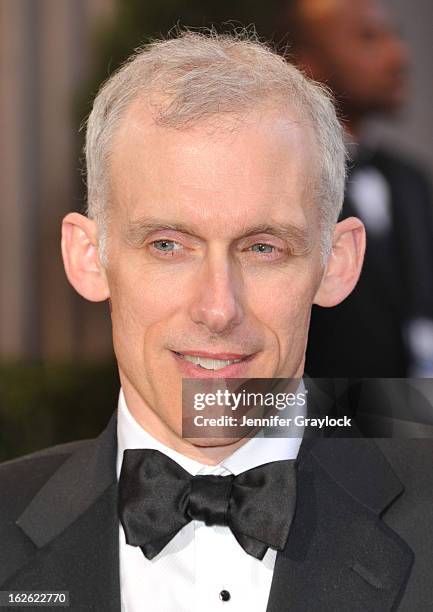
(263, 248)
(166, 246)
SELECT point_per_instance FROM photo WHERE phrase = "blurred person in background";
(354, 48)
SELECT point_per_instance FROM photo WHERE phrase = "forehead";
(246, 165)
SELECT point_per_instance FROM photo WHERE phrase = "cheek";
(290, 316)
(139, 304)
(286, 316)
(284, 301)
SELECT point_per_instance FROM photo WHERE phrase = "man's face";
(356, 50)
(213, 253)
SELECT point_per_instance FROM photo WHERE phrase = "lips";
(201, 364)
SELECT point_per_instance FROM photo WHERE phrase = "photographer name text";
(272, 421)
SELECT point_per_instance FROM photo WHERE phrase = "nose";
(217, 300)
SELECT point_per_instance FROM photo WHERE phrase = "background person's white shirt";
(189, 574)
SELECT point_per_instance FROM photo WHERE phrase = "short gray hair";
(200, 74)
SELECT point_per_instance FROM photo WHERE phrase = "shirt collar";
(257, 451)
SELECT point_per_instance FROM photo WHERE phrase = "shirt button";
(224, 595)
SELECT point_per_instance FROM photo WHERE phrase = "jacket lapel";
(73, 525)
(340, 554)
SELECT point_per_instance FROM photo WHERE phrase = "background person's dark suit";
(359, 540)
(365, 336)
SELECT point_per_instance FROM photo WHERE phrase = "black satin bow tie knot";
(209, 499)
(157, 497)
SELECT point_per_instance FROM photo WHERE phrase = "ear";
(81, 259)
(344, 264)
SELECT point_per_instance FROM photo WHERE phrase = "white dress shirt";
(189, 574)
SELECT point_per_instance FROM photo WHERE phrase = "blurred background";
(57, 374)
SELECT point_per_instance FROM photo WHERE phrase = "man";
(215, 179)
(354, 49)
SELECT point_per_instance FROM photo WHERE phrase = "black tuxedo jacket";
(361, 539)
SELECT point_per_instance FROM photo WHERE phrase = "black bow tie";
(157, 498)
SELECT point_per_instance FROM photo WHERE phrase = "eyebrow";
(137, 231)
(299, 238)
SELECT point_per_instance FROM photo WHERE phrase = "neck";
(207, 450)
